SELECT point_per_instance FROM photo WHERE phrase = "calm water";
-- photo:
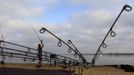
(103, 60)
(112, 59)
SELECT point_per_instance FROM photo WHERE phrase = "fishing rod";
(26, 53)
(12, 49)
(78, 52)
(36, 33)
(61, 60)
(42, 30)
(31, 53)
(11, 54)
(33, 58)
(81, 57)
(111, 32)
(17, 53)
(32, 49)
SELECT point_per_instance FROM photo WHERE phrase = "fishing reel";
(42, 30)
(11, 55)
(26, 53)
(33, 59)
(24, 59)
(127, 8)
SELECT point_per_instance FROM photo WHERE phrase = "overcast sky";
(85, 22)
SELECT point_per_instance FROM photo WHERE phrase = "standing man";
(40, 46)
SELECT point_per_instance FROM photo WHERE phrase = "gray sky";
(85, 22)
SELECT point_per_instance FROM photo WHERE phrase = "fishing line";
(35, 33)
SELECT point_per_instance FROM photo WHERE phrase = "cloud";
(16, 16)
(96, 23)
(95, 2)
(92, 18)
(22, 8)
(86, 28)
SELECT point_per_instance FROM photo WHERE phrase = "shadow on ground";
(14, 71)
